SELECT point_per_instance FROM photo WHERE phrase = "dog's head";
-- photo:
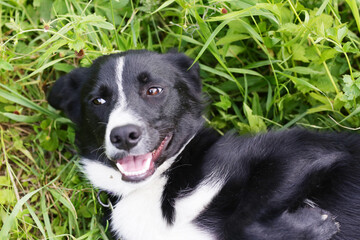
(133, 110)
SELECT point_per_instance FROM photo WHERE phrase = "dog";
(141, 137)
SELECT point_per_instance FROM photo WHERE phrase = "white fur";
(138, 216)
(189, 207)
(110, 179)
(121, 116)
(105, 178)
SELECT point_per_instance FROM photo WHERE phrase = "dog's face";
(133, 111)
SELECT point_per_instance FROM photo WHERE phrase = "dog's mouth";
(140, 167)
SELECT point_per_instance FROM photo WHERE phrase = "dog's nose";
(125, 137)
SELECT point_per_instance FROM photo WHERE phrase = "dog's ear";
(186, 65)
(65, 95)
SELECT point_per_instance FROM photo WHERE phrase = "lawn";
(265, 64)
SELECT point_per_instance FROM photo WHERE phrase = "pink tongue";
(135, 163)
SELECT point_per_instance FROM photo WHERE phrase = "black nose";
(125, 137)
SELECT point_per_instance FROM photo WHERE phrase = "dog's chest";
(138, 216)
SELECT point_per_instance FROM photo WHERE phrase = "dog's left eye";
(154, 91)
(99, 101)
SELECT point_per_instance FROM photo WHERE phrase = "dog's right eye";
(99, 101)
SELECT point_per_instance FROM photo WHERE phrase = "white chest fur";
(138, 216)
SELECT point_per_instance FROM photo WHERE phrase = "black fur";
(268, 177)
(276, 172)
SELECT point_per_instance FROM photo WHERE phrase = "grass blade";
(36, 220)
(11, 219)
(210, 39)
(44, 211)
(15, 97)
(355, 11)
(164, 5)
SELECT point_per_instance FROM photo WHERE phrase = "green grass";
(265, 64)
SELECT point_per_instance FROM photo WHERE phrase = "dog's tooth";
(148, 162)
(146, 165)
(118, 165)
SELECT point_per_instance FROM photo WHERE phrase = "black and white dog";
(141, 137)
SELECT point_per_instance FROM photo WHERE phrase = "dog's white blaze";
(119, 72)
(121, 115)
(138, 216)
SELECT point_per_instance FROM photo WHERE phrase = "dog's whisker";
(102, 147)
(179, 166)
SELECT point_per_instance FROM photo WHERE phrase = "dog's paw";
(327, 226)
(303, 223)
(316, 223)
